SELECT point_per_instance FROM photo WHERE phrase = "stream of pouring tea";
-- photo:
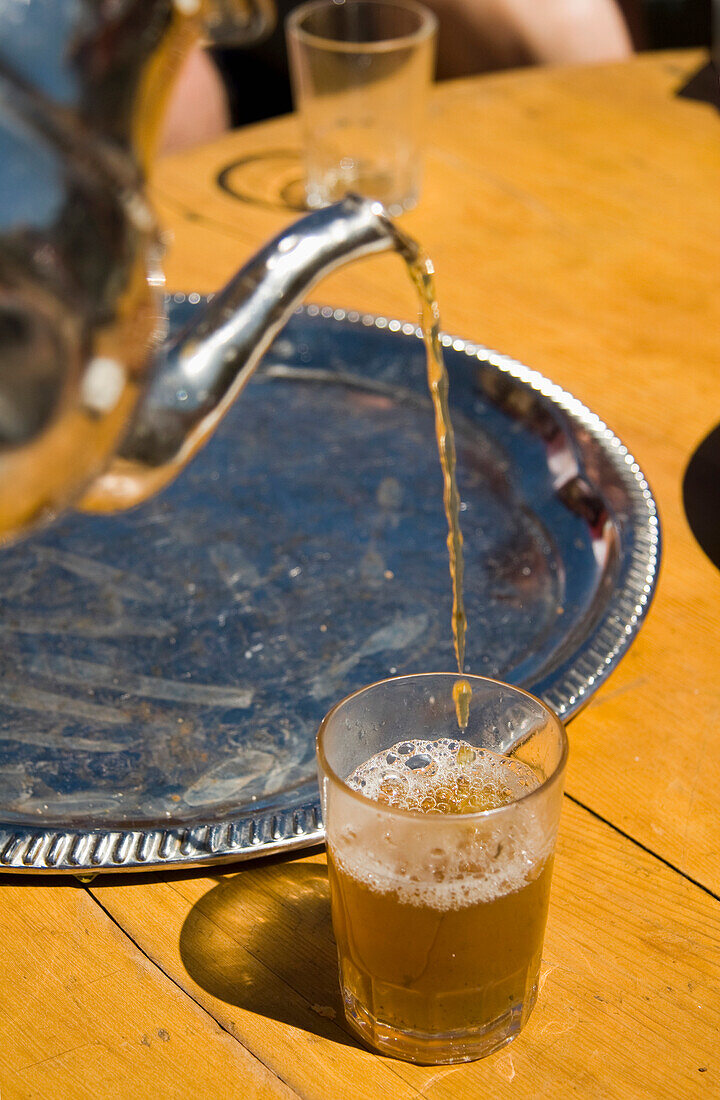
(421, 272)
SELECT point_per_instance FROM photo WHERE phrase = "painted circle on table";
(272, 179)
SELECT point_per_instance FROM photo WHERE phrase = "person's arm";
(476, 35)
(198, 109)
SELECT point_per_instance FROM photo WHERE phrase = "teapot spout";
(201, 370)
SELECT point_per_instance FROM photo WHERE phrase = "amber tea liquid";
(421, 273)
(448, 942)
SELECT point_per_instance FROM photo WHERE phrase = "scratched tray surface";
(163, 672)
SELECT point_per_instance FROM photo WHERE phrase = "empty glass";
(361, 70)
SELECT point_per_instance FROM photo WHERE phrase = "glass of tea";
(361, 70)
(440, 848)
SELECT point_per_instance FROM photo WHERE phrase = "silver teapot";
(98, 407)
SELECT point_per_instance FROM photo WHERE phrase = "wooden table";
(574, 219)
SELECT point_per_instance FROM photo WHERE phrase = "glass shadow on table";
(262, 940)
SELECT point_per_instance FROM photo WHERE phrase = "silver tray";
(163, 672)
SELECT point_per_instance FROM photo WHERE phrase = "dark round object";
(701, 495)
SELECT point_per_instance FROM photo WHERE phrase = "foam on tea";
(471, 863)
(447, 776)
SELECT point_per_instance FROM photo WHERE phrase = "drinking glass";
(360, 72)
(439, 916)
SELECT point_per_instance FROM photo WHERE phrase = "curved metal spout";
(202, 369)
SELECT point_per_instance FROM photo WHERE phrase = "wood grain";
(83, 1013)
(631, 963)
(573, 216)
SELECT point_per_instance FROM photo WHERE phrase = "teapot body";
(95, 406)
(82, 92)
